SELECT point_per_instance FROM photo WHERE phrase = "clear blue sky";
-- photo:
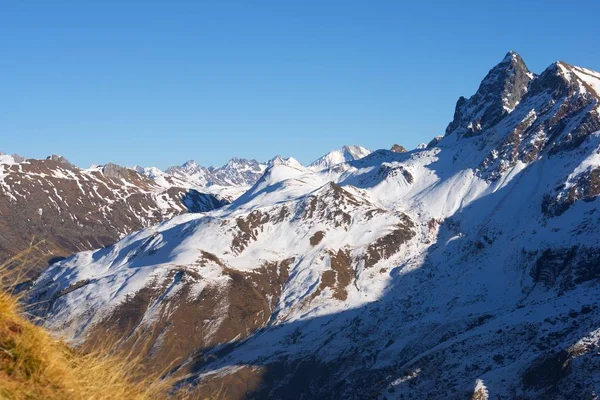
(161, 82)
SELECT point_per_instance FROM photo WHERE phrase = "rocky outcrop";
(396, 148)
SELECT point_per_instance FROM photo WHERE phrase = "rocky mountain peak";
(236, 162)
(396, 148)
(59, 159)
(190, 165)
(562, 79)
(498, 94)
(556, 80)
(290, 162)
(116, 171)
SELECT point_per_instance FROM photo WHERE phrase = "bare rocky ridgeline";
(467, 268)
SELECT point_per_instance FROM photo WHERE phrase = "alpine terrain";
(66, 209)
(466, 268)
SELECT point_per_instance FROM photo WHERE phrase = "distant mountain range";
(242, 172)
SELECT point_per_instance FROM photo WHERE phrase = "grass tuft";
(35, 365)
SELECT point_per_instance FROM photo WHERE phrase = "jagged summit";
(498, 94)
(236, 172)
(517, 116)
(237, 162)
(510, 56)
(510, 83)
(189, 164)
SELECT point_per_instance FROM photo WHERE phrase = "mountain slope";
(467, 266)
(73, 209)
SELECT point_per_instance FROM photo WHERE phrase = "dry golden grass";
(34, 365)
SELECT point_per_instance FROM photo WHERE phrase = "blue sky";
(161, 82)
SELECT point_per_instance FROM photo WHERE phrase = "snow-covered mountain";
(343, 155)
(236, 172)
(69, 209)
(289, 162)
(466, 268)
(32, 208)
(238, 175)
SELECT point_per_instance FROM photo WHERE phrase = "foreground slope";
(34, 365)
(469, 266)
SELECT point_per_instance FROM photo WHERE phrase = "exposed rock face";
(467, 268)
(398, 149)
(111, 170)
(386, 246)
(584, 186)
(434, 141)
(552, 113)
(72, 210)
(499, 93)
(393, 170)
(53, 157)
